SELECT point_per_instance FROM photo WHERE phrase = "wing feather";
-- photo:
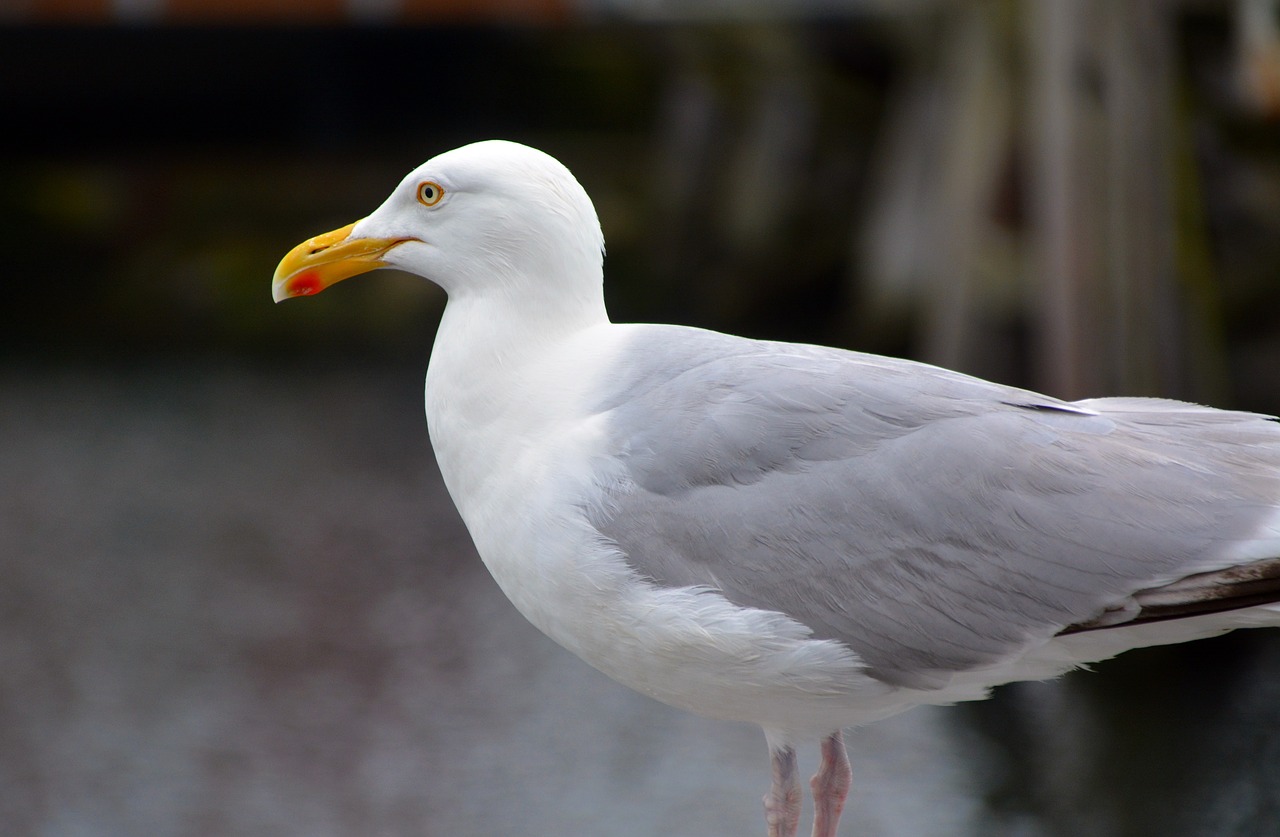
(931, 521)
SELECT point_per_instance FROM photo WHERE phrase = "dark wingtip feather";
(1234, 588)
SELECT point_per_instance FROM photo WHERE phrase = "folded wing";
(931, 521)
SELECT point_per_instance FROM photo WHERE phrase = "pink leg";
(830, 786)
(782, 802)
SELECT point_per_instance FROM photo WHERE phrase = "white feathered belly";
(689, 648)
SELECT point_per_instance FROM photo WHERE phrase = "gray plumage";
(931, 521)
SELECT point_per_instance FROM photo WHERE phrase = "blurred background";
(234, 596)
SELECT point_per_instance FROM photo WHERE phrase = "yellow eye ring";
(429, 193)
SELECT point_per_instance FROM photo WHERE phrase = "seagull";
(800, 537)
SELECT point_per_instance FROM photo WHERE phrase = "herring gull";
(801, 537)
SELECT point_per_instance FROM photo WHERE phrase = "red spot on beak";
(305, 284)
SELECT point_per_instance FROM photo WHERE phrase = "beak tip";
(306, 283)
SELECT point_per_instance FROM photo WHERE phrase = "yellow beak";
(319, 262)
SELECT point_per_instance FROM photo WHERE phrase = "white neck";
(494, 357)
(484, 334)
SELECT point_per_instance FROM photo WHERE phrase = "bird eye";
(429, 193)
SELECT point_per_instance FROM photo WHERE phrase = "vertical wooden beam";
(1149, 350)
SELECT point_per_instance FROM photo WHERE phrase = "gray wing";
(931, 521)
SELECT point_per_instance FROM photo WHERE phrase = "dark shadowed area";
(235, 597)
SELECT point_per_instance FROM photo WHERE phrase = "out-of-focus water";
(238, 601)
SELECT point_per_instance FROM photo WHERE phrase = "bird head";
(493, 216)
